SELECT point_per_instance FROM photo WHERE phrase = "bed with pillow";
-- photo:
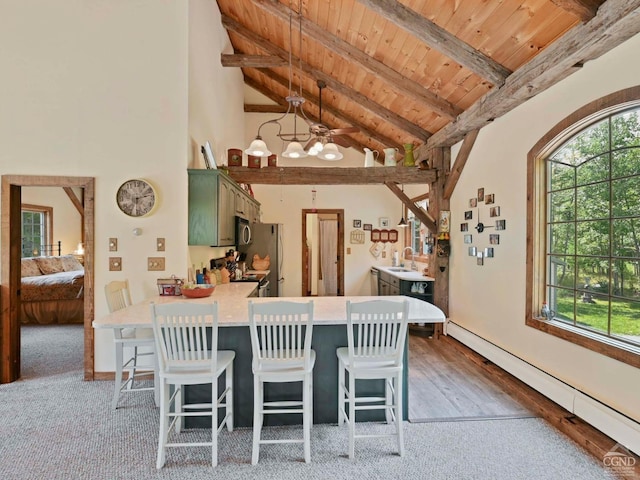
(52, 290)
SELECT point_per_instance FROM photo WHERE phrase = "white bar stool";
(281, 345)
(376, 333)
(187, 357)
(130, 340)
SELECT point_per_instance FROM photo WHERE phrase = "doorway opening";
(322, 252)
(11, 217)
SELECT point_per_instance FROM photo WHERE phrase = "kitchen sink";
(398, 269)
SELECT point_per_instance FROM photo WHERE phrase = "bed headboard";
(37, 250)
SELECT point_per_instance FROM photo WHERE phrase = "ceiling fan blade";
(340, 131)
(338, 140)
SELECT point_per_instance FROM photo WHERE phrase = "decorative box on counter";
(170, 286)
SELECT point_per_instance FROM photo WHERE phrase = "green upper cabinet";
(213, 197)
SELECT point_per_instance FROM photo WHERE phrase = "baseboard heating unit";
(617, 426)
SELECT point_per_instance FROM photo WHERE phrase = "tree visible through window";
(593, 222)
(583, 228)
(36, 231)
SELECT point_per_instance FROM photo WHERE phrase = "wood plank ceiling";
(415, 71)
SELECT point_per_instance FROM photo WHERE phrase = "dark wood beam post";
(439, 266)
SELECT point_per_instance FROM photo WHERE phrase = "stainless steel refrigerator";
(266, 239)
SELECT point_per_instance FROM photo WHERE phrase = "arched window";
(584, 228)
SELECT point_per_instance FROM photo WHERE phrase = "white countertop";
(233, 308)
(405, 273)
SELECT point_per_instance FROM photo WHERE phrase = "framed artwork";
(209, 159)
(367, 226)
(468, 238)
(384, 236)
(393, 236)
(468, 215)
(501, 224)
(473, 202)
(357, 223)
(375, 235)
(494, 239)
(488, 198)
(384, 222)
(473, 251)
(445, 217)
(481, 194)
(488, 252)
(494, 212)
(464, 227)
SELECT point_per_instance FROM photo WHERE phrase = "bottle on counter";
(199, 276)
(207, 276)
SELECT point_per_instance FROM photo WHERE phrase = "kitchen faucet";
(413, 258)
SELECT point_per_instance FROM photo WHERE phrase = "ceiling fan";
(321, 134)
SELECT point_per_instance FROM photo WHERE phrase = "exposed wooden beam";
(615, 22)
(331, 175)
(254, 108)
(75, 200)
(364, 101)
(401, 84)
(420, 214)
(458, 165)
(585, 10)
(312, 98)
(439, 265)
(439, 39)
(251, 61)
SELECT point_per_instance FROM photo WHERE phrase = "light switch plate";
(160, 244)
(115, 264)
(113, 244)
(155, 264)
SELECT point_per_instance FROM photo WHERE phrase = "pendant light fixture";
(294, 149)
(402, 223)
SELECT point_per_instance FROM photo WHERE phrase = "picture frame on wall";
(367, 226)
(384, 222)
(209, 159)
(357, 223)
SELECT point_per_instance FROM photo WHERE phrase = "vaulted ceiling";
(415, 71)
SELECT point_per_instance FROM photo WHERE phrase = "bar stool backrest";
(281, 334)
(376, 332)
(186, 335)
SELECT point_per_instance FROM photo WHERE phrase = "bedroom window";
(585, 221)
(36, 230)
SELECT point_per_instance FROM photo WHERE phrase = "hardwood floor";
(445, 385)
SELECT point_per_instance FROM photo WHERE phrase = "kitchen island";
(329, 333)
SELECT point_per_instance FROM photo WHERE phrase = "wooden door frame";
(10, 258)
(340, 247)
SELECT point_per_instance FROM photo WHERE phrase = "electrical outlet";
(160, 244)
(115, 264)
(384, 254)
(155, 264)
(113, 244)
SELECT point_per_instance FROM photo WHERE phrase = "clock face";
(136, 198)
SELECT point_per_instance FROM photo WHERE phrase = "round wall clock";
(485, 218)
(136, 197)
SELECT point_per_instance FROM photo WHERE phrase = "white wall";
(101, 89)
(490, 300)
(216, 99)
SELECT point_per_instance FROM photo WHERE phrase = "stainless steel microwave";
(243, 231)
